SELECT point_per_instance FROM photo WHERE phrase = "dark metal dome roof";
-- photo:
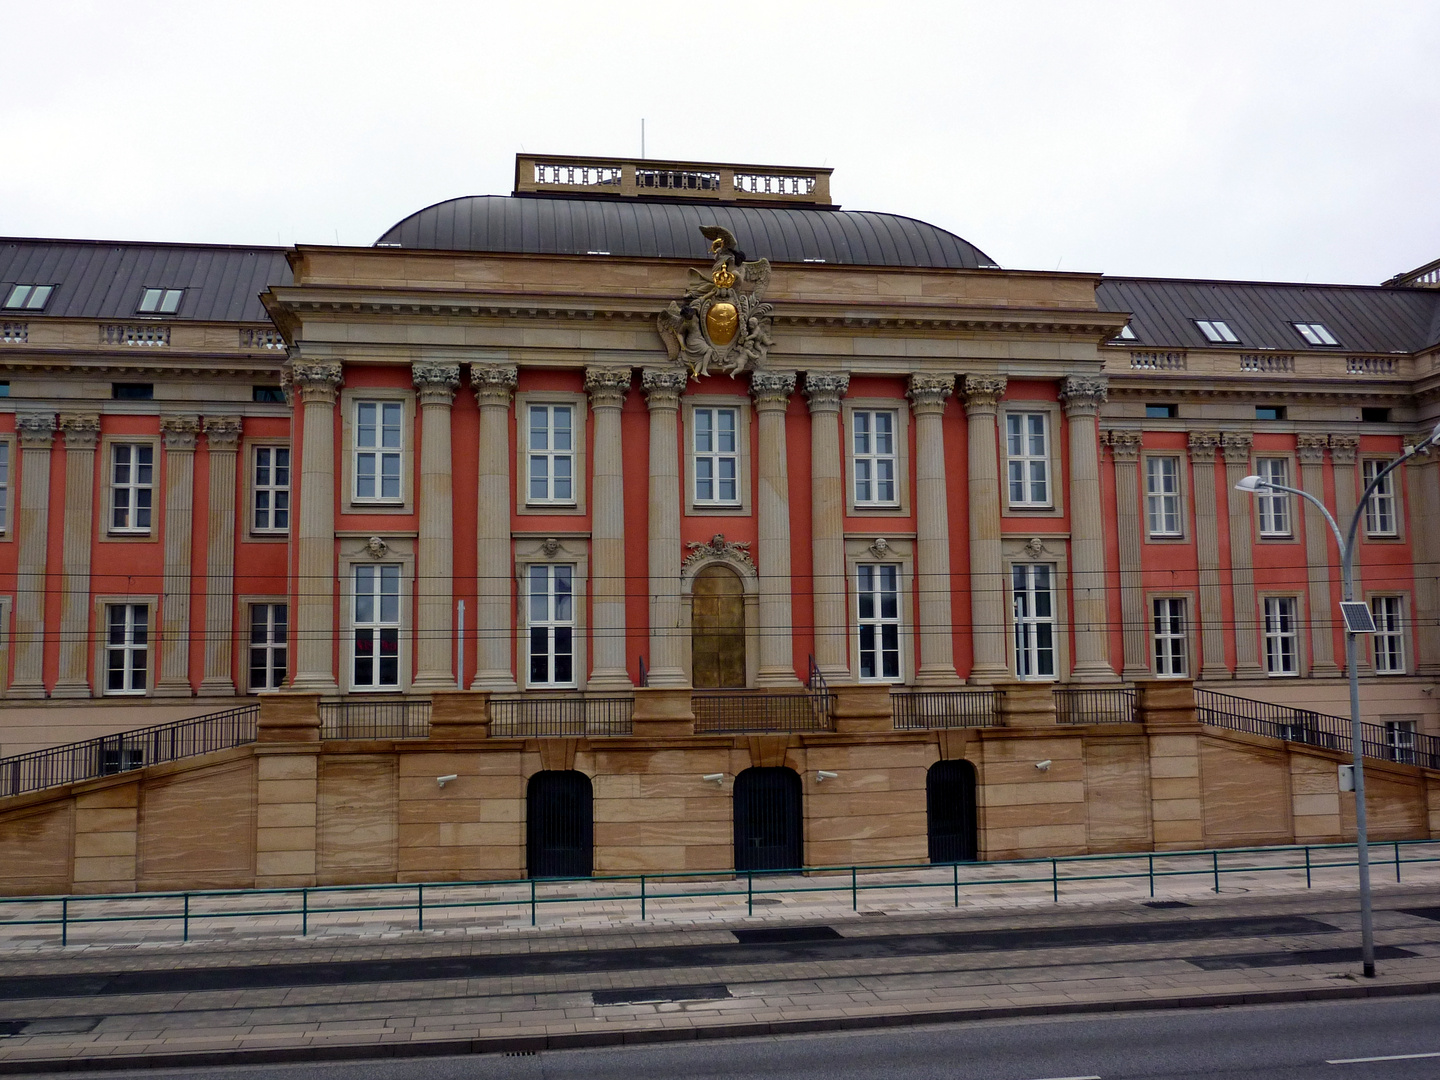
(563, 226)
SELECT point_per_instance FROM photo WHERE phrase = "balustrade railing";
(1371, 365)
(919, 710)
(546, 716)
(1158, 361)
(145, 334)
(404, 718)
(14, 333)
(1267, 362)
(1112, 705)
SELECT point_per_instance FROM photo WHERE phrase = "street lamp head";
(1251, 483)
(1434, 439)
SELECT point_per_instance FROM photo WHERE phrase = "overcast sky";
(1264, 139)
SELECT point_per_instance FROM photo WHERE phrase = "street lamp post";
(1255, 484)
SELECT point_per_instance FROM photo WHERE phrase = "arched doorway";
(717, 629)
(560, 825)
(769, 829)
(950, 810)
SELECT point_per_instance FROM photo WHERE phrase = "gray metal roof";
(1363, 318)
(98, 279)
(638, 228)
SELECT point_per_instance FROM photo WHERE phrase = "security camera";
(717, 777)
(443, 780)
(821, 776)
(1043, 766)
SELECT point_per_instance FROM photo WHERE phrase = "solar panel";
(1358, 619)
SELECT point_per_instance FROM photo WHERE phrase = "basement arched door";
(769, 830)
(950, 809)
(559, 825)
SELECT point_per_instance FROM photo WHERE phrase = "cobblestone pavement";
(360, 984)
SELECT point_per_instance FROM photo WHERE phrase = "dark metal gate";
(768, 826)
(560, 825)
(950, 808)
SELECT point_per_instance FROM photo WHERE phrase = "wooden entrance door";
(717, 629)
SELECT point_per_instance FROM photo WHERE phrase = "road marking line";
(1073, 1078)
(1388, 1057)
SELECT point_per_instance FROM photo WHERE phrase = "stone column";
(222, 437)
(1311, 451)
(1422, 476)
(607, 388)
(1082, 396)
(494, 617)
(663, 387)
(35, 431)
(1343, 452)
(1236, 448)
(1203, 445)
(435, 552)
(1135, 619)
(82, 433)
(827, 523)
(987, 566)
(772, 390)
(927, 394)
(179, 434)
(316, 383)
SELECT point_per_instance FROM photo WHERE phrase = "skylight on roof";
(1217, 332)
(1315, 333)
(1125, 334)
(28, 297)
(160, 301)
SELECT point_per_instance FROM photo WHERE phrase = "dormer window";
(1125, 334)
(1217, 332)
(1315, 333)
(28, 297)
(160, 301)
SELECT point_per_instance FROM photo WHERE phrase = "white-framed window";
(4, 488)
(1274, 506)
(132, 487)
(1400, 740)
(1027, 450)
(1217, 332)
(716, 455)
(1315, 333)
(550, 623)
(376, 627)
(1282, 636)
(1033, 590)
(1162, 496)
(28, 297)
(877, 611)
(1388, 641)
(127, 648)
(160, 301)
(271, 490)
(1380, 517)
(1172, 647)
(269, 648)
(379, 450)
(873, 457)
(550, 454)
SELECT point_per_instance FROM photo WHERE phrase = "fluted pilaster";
(1344, 455)
(1236, 448)
(1422, 477)
(927, 394)
(1311, 451)
(987, 565)
(663, 387)
(179, 434)
(1125, 453)
(607, 388)
(772, 390)
(827, 522)
(494, 384)
(36, 432)
(316, 383)
(435, 552)
(82, 434)
(1203, 447)
(222, 438)
(1082, 396)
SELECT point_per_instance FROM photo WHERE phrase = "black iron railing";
(400, 718)
(918, 710)
(541, 716)
(749, 710)
(128, 750)
(1084, 706)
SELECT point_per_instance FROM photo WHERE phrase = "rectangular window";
(268, 649)
(550, 621)
(874, 457)
(1389, 637)
(1028, 457)
(877, 593)
(1171, 646)
(127, 647)
(1400, 741)
(132, 391)
(377, 627)
(1162, 496)
(132, 487)
(4, 488)
(269, 395)
(378, 450)
(1315, 333)
(1217, 332)
(1380, 507)
(717, 456)
(28, 297)
(551, 454)
(1162, 412)
(272, 489)
(1274, 506)
(1269, 412)
(1282, 636)
(160, 301)
(1034, 598)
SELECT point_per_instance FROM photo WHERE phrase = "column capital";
(607, 386)
(663, 386)
(1124, 445)
(180, 432)
(1236, 446)
(983, 393)
(436, 382)
(927, 393)
(1343, 449)
(314, 380)
(825, 389)
(222, 432)
(82, 430)
(494, 383)
(772, 389)
(1310, 449)
(36, 430)
(1084, 394)
(1203, 445)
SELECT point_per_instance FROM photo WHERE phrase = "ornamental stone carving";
(436, 383)
(1084, 393)
(376, 548)
(1236, 447)
(983, 392)
(180, 432)
(314, 380)
(1310, 449)
(722, 319)
(772, 389)
(35, 430)
(1343, 449)
(927, 393)
(1203, 445)
(494, 383)
(663, 386)
(825, 389)
(880, 548)
(737, 552)
(1035, 548)
(82, 430)
(1124, 445)
(550, 546)
(222, 432)
(607, 387)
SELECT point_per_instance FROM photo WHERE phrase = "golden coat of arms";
(722, 320)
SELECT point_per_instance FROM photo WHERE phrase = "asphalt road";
(1274, 1042)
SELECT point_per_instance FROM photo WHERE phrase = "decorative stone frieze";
(772, 389)
(1311, 449)
(35, 430)
(927, 393)
(315, 380)
(1084, 393)
(983, 392)
(222, 432)
(607, 386)
(82, 430)
(825, 389)
(436, 382)
(717, 547)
